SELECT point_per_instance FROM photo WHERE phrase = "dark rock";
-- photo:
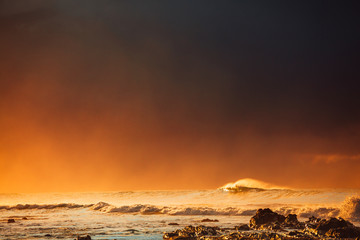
(265, 217)
(294, 233)
(273, 224)
(313, 220)
(325, 225)
(24, 218)
(232, 236)
(170, 235)
(173, 224)
(87, 237)
(333, 227)
(243, 227)
(291, 220)
(209, 220)
(11, 220)
(192, 232)
(345, 232)
(182, 238)
(48, 235)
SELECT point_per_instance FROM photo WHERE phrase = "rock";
(313, 220)
(48, 235)
(243, 227)
(291, 220)
(209, 220)
(333, 227)
(325, 225)
(170, 235)
(294, 233)
(232, 236)
(192, 232)
(345, 232)
(273, 225)
(24, 218)
(11, 220)
(173, 224)
(265, 217)
(87, 237)
(182, 238)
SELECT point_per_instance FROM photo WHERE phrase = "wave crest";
(351, 208)
(249, 184)
(137, 208)
(44, 206)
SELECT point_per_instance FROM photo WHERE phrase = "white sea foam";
(44, 206)
(249, 184)
(241, 198)
(351, 208)
(304, 212)
(151, 211)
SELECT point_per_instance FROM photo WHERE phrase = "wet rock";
(265, 217)
(345, 232)
(243, 227)
(170, 235)
(267, 224)
(333, 227)
(294, 233)
(192, 232)
(232, 236)
(209, 220)
(173, 224)
(182, 238)
(325, 225)
(11, 220)
(291, 220)
(131, 230)
(87, 237)
(313, 220)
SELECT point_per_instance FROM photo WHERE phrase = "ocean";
(148, 214)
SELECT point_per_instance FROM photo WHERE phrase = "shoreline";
(266, 224)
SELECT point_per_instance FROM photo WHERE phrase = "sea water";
(147, 214)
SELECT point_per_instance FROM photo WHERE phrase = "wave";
(249, 184)
(303, 212)
(186, 211)
(180, 211)
(45, 206)
(349, 209)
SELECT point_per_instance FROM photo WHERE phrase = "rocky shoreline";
(266, 224)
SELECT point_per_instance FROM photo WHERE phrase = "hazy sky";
(129, 95)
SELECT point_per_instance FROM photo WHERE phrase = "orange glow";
(103, 98)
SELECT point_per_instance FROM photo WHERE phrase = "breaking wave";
(351, 208)
(44, 206)
(186, 211)
(249, 184)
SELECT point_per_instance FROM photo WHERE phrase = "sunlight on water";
(147, 214)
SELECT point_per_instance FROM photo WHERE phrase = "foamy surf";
(349, 209)
(250, 184)
(114, 213)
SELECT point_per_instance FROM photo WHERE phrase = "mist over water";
(146, 214)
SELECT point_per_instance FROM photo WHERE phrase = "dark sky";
(113, 95)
